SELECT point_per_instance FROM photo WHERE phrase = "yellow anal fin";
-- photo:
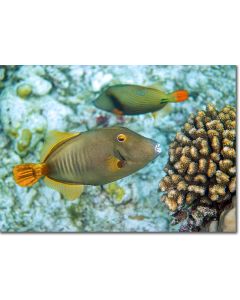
(117, 112)
(55, 139)
(166, 110)
(155, 115)
(69, 191)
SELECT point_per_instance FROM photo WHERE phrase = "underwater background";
(35, 99)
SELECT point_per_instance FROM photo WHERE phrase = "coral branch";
(201, 169)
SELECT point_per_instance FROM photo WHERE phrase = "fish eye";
(121, 137)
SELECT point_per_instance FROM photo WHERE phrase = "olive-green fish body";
(94, 157)
(126, 99)
(91, 158)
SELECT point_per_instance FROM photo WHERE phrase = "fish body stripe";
(84, 159)
(136, 100)
(80, 161)
(65, 164)
(117, 104)
(76, 163)
(58, 165)
(72, 162)
(69, 163)
(61, 165)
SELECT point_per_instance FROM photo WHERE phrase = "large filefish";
(95, 157)
(127, 99)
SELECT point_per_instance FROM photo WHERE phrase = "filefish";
(127, 99)
(96, 157)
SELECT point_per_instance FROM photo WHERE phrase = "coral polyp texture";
(201, 171)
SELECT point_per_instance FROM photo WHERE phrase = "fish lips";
(157, 149)
(153, 149)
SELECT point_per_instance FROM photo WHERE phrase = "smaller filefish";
(127, 99)
(95, 157)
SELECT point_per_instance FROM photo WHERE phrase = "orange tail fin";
(29, 174)
(180, 95)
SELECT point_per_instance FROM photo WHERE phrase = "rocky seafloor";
(35, 99)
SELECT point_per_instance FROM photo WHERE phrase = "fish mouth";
(157, 149)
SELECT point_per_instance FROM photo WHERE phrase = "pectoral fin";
(114, 164)
(69, 191)
(55, 139)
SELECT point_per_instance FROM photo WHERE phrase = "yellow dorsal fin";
(54, 139)
(69, 191)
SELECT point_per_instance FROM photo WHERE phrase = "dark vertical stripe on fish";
(64, 165)
(71, 163)
(84, 159)
(58, 167)
(116, 102)
(78, 163)
(75, 163)
(87, 160)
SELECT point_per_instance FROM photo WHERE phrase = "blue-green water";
(35, 99)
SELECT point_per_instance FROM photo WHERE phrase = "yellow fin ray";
(166, 110)
(28, 174)
(54, 139)
(69, 191)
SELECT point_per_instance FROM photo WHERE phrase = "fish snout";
(157, 149)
